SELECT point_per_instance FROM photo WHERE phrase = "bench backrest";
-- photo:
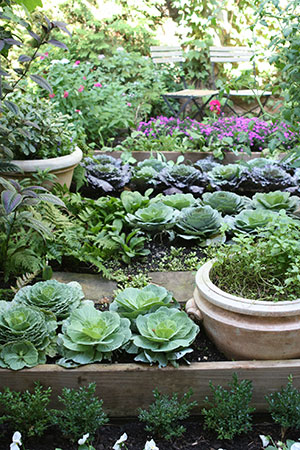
(166, 55)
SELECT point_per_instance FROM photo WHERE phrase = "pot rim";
(60, 162)
(241, 305)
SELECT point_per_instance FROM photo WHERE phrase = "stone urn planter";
(246, 329)
(62, 166)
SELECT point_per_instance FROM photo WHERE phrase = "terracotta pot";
(246, 329)
(62, 166)
(188, 156)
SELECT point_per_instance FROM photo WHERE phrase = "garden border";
(126, 387)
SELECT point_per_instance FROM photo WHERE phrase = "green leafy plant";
(276, 201)
(284, 407)
(132, 302)
(89, 335)
(164, 336)
(26, 411)
(202, 223)
(225, 202)
(27, 336)
(251, 220)
(225, 176)
(165, 413)
(154, 218)
(246, 268)
(82, 412)
(51, 295)
(177, 201)
(228, 412)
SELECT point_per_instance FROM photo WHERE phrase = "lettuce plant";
(27, 335)
(200, 223)
(59, 298)
(132, 302)
(89, 335)
(155, 218)
(225, 202)
(275, 201)
(132, 201)
(164, 336)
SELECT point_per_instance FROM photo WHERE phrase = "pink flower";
(97, 84)
(128, 104)
(84, 77)
(215, 106)
(66, 94)
(51, 95)
(81, 88)
(77, 110)
(44, 55)
(76, 63)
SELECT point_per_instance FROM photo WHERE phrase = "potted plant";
(248, 296)
(26, 127)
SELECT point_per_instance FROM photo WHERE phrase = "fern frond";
(24, 280)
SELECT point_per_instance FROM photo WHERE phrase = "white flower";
(55, 61)
(120, 49)
(64, 61)
(295, 446)
(17, 438)
(14, 446)
(101, 56)
(150, 445)
(119, 444)
(83, 439)
(265, 440)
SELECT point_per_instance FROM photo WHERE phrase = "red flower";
(215, 106)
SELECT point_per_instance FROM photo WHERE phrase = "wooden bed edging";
(126, 387)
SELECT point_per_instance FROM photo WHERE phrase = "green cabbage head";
(132, 302)
(90, 335)
(59, 298)
(179, 201)
(200, 223)
(276, 201)
(250, 220)
(225, 202)
(156, 217)
(27, 335)
(165, 336)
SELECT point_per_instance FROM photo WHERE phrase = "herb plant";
(228, 412)
(26, 411)
(165, 413)
(284, 406)
(82, 412)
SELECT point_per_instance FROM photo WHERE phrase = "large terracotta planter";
(246, 329)
(62, 166)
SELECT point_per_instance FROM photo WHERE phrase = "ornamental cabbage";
(90, 335)
(156, 217)
(144, 178)
(51, 295)
(226, 202)
(179, 201)
(165, 336)
(27, 335)
(183, 178)
(250, 220)
(276, 201)
(201, 223)
(132, 302)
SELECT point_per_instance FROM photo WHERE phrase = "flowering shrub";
(231, 133)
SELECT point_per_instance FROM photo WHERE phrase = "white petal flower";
(14, 446)
(101, 56)
(118, 445)
(17, 438)
(120, 49)
(265, 440)
(83, 439)
(64, 61)
(295, 446)
(150, 445)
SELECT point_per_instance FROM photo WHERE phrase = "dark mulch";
(195, 437)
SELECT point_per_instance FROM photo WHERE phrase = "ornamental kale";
(226, 202)
(276, 201)
(202, 223)
(132, 302)
(27, 335)
(266, 179)
(226, 177)
(176, 201)
(59, 298)
(155, 218)
(250, 220)
(183, 178)
(165, 336)
(89, 335)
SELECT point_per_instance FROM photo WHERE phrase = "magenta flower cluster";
(254, 132)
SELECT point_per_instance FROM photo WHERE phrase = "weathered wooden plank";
(226, 59)
(169, 60)
(166, 54)
(156, 48)
(126, 387)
